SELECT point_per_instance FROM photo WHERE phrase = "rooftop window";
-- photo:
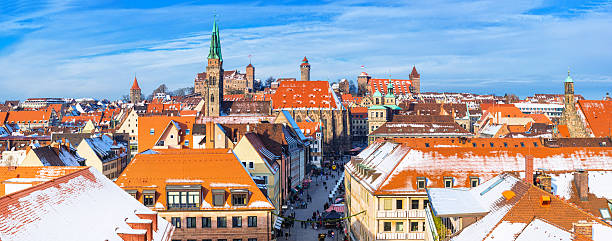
(448, 182)
(421, 182)
(218, 197)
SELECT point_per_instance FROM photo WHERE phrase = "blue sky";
(62, 48)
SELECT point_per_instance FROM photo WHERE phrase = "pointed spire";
(569, 78)
(135, 84)
(414, 73)
(215, 43)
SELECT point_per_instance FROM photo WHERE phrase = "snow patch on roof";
(260, 204)
(541, 230)
(506, 231)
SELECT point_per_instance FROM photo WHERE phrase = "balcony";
(181, 206)
(414, 213)
(400, 236)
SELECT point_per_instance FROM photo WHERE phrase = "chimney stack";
(150, 215)
(581, 181)
(529, 169)
(141, 224)
(584, 228)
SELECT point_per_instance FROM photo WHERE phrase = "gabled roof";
(597, 114)
(210, 169)
(269, 157)
(57, 156)
(305, 95)
(63, 208)
(158, 124)
(25, 116)
(34, 174)
(103, 147)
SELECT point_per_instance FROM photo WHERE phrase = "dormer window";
(239, 197)
(218, 197)
(421, 182)
(474, 181)
(448, 182)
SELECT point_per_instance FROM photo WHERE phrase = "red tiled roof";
(82, 118)
(135, 85)
(304, 94)
(3, 116)
(359, 110)
(598, 115)
(309, 128)
(36, 173)
(540, 118)
(25, 116)
(400, 86)
(208, 168)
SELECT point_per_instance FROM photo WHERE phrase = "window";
(399, 227)
(221, 239)
(176, 222)
(206, 239)
(505, 144)
(152, 131)
(206, 222)
(218, 197)
(252, 220)
(187, 132)
(236, 222)
(399, 204)
(149, 199)
(491, 143)
(237, 239)
(221, 222)
(473, 144)
(474, 181)
(183, 199)
(387, 204)
(252, 239)
(191, 222)
(186, 142)
(448, 182)
(535, 144)
(426, 144)
(425, 203)
(387, 226)
(421, 183)
(414, 204)
(522, 144)
(239, 199)
(414, 226)
(251, 165)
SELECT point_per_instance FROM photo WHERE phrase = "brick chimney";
(141, 224)
(529, 169)
(581, 181)
(584, 228)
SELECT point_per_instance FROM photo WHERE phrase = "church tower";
(415, 80)
(250, 77)
(135, 92)
(570, 117)
(212, 90)
(305, 69)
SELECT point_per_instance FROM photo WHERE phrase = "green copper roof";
(377, 107)
(377, 94)
(568, 79)
(390, 90)
(393, 107)
(215, 43)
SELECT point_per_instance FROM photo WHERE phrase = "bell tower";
(570, 117)
(213, 87)
(305, 69)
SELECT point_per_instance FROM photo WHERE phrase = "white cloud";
(457, 46)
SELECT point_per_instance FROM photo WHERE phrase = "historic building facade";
(235, 82)
(570, 116)
(210, 84)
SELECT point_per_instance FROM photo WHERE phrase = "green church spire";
(215, 43)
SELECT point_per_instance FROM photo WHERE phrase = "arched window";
(212, 98)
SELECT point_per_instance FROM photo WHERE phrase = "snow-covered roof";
(66, 208)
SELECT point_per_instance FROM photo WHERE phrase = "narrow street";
(319, 197)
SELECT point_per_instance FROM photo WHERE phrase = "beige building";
(129, 125)
(102, 153)
(261, 163)
(205, 194)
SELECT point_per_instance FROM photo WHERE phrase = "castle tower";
(415, 79)
(305, 69)
(212, 91)
(250, 77)
(135, 92)
(570, 117)
(362, 83)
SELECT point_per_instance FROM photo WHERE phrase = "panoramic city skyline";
(479, 47)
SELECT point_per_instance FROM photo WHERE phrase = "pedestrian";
(286, 236)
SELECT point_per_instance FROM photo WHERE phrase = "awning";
(278, 223)
(336, 207)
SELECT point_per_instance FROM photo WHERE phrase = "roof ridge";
(394, 167)
(45, 184)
